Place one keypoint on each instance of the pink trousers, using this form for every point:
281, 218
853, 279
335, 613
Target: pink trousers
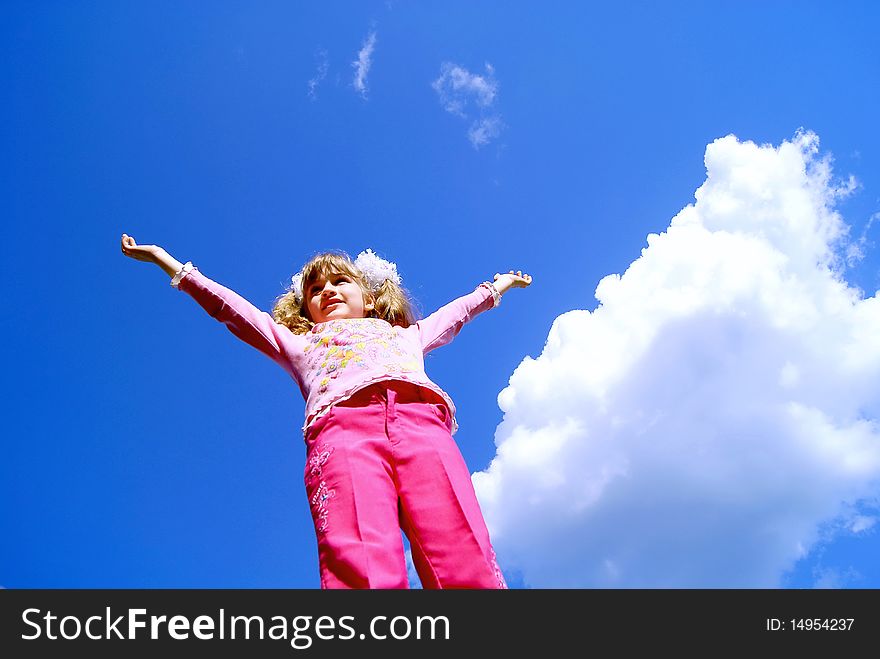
382, 461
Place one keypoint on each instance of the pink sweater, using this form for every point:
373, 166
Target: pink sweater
339, 357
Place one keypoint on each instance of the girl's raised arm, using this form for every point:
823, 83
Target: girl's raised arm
443, 325
150, 254
505, 282
253, 326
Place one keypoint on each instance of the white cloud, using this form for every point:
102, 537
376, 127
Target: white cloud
716, 411
832, 578
471, 97
323, 66
363, 63
855, 252
484, 130
458, 88
861, 523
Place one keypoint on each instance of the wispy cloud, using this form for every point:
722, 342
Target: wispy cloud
717, 417
363, 63
862, 523
856, 250
323, 66
458, 88
472, 97
833, 578
484, 130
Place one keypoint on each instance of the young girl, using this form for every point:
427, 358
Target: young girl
378, 432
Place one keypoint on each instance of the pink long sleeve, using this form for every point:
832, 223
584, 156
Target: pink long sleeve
247, 322
443, 325
337, 358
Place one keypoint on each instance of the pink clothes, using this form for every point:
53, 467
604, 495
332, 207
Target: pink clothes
378, 432
337, 358
385, 459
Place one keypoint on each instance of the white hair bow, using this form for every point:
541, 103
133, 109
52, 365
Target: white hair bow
376, 271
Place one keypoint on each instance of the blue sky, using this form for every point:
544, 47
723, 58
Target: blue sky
146, 447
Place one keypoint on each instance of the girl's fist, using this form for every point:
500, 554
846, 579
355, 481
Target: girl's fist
139, 252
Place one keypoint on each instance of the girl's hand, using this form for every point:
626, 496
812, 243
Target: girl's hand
511, 280
148, 253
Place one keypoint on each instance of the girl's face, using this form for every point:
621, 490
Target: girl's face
335, 298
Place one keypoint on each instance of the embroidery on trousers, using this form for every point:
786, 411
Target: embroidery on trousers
322, 494
319, 506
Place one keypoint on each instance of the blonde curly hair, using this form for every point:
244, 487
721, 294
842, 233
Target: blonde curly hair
391, 301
